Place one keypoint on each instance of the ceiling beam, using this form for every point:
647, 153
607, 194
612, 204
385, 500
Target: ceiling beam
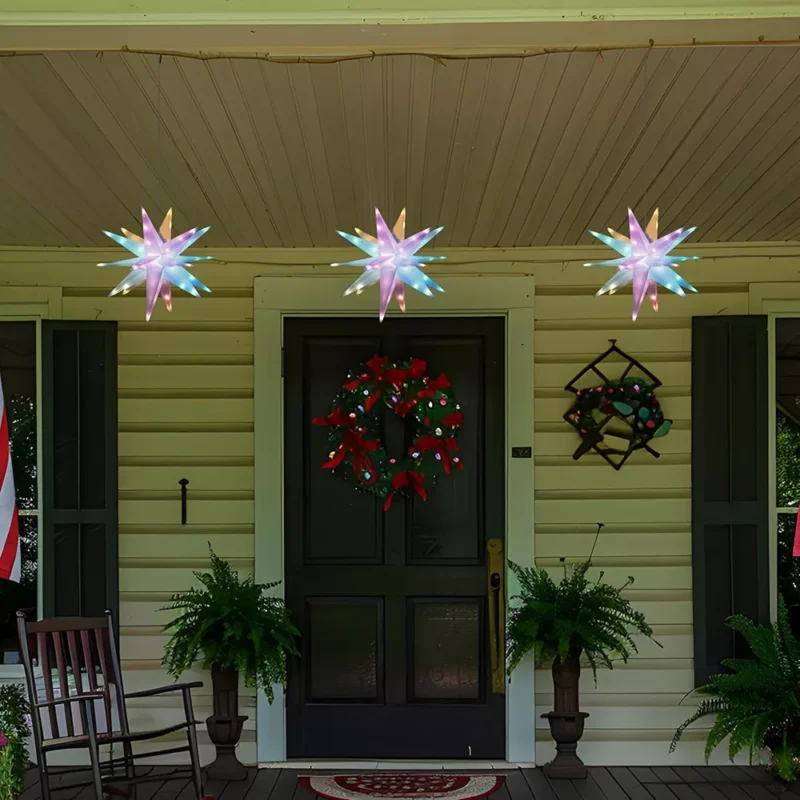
445, 27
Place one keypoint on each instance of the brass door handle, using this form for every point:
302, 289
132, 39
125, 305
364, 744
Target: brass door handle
496, 594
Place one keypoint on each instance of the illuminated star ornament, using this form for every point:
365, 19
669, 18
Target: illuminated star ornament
392, 261
646, 261
158, 262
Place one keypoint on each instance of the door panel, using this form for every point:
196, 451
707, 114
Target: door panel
392, 606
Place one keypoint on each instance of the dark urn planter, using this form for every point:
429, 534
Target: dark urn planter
225, 726
566, 719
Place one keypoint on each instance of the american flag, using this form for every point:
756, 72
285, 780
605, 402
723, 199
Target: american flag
10, 557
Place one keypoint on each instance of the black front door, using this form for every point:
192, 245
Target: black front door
392, 606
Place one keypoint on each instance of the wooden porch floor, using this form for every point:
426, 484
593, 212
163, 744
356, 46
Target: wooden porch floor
604, 783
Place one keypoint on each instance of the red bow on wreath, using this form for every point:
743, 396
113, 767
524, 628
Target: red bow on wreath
396, 376
434, 386
440, 447
406, 480
353, 442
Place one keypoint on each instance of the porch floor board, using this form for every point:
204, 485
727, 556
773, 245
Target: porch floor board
603, 783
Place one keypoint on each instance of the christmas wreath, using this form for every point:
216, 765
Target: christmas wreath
354, 424
631, 399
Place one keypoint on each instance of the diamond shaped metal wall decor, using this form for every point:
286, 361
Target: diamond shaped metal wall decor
616, 416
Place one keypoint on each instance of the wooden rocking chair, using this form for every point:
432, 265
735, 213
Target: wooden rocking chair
78, 702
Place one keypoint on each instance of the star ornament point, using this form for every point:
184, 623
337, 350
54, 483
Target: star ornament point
392, 261
645, 261
158, 261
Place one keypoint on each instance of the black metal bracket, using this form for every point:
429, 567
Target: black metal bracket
184, 482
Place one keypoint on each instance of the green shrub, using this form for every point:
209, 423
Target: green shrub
14, 731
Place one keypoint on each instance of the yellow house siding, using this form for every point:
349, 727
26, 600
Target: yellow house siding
186, 411
646, 508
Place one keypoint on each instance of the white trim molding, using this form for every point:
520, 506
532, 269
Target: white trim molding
479, 295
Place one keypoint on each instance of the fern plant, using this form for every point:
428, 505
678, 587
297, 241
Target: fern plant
231, 624
575, 615
757, 702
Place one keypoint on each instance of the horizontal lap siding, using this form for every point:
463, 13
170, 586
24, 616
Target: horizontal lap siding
646, 508
186, 411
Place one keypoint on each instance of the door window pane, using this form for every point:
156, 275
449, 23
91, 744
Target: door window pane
447, 650
18, 375
345, 649
789, 568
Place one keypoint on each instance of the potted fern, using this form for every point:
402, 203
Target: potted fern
564, 623
757, 701
232, 627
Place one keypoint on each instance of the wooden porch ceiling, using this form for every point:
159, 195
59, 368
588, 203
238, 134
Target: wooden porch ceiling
604, 783
501, 151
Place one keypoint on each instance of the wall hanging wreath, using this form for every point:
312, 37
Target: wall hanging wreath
616, 417
354, 424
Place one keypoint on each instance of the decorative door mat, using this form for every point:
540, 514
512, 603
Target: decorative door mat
402, 785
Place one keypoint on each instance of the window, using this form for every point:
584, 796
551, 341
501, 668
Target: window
787, 459
18, 373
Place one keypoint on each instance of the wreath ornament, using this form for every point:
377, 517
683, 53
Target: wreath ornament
626, 409
354, 426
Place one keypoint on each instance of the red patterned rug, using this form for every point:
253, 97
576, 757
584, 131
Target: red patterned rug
402, 785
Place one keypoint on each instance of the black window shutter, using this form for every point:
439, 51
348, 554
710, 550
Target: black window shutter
79, 470
730, 484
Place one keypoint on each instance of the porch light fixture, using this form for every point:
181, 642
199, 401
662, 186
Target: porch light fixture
646, 261
158, 262
392, 261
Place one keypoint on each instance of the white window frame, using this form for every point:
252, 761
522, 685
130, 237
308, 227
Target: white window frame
773, 453
776, 300
22, 304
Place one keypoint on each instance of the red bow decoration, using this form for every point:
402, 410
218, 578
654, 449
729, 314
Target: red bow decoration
404, 480
395, 377
401, 409
352, 442
336, 419
441, 446
440, 383
376, 366
456, 419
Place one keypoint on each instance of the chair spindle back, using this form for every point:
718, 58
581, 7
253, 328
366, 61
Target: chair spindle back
67, 657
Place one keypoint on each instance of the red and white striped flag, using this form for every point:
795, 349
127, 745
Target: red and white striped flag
10, 556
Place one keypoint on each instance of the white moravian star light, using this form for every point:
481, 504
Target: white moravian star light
392, 261
646, 261
159, 262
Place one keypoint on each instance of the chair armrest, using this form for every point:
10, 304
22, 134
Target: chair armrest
174, 687
74, 698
